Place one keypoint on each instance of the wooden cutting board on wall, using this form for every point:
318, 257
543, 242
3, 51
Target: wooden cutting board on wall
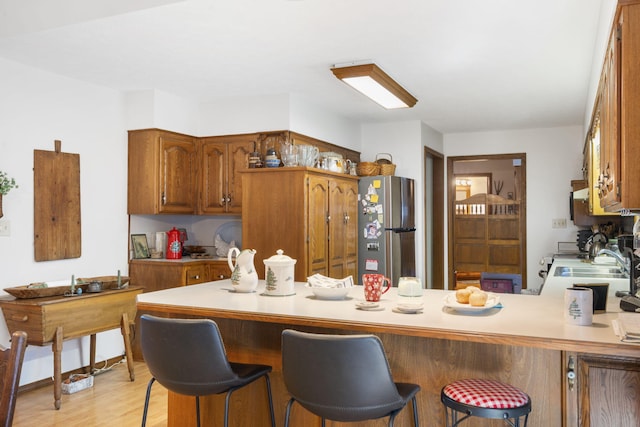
56, 203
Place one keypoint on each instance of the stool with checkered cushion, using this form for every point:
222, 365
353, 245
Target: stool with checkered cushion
485, 399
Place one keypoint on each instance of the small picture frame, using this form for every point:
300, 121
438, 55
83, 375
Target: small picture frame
140, 246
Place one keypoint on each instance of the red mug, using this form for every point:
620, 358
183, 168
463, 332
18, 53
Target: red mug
374, 286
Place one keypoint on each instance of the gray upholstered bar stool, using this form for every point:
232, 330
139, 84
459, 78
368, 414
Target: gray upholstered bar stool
485, 399
187, 356
342, 378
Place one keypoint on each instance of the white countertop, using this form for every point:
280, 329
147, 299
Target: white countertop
535, 320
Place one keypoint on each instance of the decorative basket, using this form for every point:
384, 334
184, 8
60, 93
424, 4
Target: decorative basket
25, 292
367, 169
386, 164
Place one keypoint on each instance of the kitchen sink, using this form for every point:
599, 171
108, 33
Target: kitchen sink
596, 272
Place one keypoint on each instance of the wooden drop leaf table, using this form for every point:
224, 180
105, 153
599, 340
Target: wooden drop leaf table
51, 320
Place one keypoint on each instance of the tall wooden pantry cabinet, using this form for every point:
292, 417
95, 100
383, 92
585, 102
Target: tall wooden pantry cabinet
309, 213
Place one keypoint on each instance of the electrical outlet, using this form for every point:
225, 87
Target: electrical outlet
5, 228
559, 223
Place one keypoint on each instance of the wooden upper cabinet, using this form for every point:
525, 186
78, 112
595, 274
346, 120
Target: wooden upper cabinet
161, 173
619, 92
223, 158
212, 178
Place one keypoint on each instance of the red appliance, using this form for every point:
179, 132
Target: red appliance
174, 244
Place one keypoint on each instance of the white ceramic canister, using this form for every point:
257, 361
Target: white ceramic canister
279, 274
578, 306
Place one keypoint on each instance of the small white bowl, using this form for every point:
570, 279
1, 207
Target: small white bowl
322, 292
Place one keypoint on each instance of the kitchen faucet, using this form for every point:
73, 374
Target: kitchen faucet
627, 268
622, 260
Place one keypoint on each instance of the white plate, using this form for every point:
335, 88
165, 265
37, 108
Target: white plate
403, 310
369, 306
450, 302
230, 231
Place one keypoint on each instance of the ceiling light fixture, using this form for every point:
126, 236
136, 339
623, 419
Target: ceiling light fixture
371, 81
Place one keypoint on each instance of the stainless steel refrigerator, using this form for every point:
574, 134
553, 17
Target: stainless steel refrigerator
386, 222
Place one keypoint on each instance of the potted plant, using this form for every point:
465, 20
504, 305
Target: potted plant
6, 184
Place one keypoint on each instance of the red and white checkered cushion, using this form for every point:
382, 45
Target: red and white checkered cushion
486, 394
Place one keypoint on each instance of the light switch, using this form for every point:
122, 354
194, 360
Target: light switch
5, 227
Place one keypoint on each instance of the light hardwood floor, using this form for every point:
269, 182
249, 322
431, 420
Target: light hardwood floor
113, 400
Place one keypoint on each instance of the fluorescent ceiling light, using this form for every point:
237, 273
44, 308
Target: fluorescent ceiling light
374, 83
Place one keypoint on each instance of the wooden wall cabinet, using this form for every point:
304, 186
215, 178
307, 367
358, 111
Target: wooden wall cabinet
619, 115
161, 172
601, 391
221, 160
308, 213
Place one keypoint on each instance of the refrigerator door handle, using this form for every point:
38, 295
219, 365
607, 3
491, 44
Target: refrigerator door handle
400, 230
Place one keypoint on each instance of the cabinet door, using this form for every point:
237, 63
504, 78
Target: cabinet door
212, 181
351, 230
610, 125
237, 160
337, 223
178, 171
318, 205
600, 390
343, 228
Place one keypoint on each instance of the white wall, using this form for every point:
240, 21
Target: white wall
35, 109
554, 158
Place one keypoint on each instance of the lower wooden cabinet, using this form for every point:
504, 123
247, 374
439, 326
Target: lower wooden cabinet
601, 391
154, 275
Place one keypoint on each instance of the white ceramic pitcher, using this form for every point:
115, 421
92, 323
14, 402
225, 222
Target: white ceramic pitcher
244, 277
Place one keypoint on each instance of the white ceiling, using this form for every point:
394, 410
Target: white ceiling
472, 64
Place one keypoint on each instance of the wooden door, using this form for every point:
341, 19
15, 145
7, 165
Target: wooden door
178, 172
212, 177
317, 217
237, 160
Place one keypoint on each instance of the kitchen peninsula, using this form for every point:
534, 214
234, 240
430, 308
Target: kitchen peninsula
525, 343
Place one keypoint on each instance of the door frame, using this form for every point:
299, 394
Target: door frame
451, 193
434, 218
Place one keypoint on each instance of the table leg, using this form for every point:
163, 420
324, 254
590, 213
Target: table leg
125, 328
57, 367
92, 353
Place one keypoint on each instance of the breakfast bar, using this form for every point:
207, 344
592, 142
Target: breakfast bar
523, 341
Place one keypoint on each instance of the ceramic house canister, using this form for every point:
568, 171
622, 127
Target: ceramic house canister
279, 273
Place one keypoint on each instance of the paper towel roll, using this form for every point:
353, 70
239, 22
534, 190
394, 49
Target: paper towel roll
161, 241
